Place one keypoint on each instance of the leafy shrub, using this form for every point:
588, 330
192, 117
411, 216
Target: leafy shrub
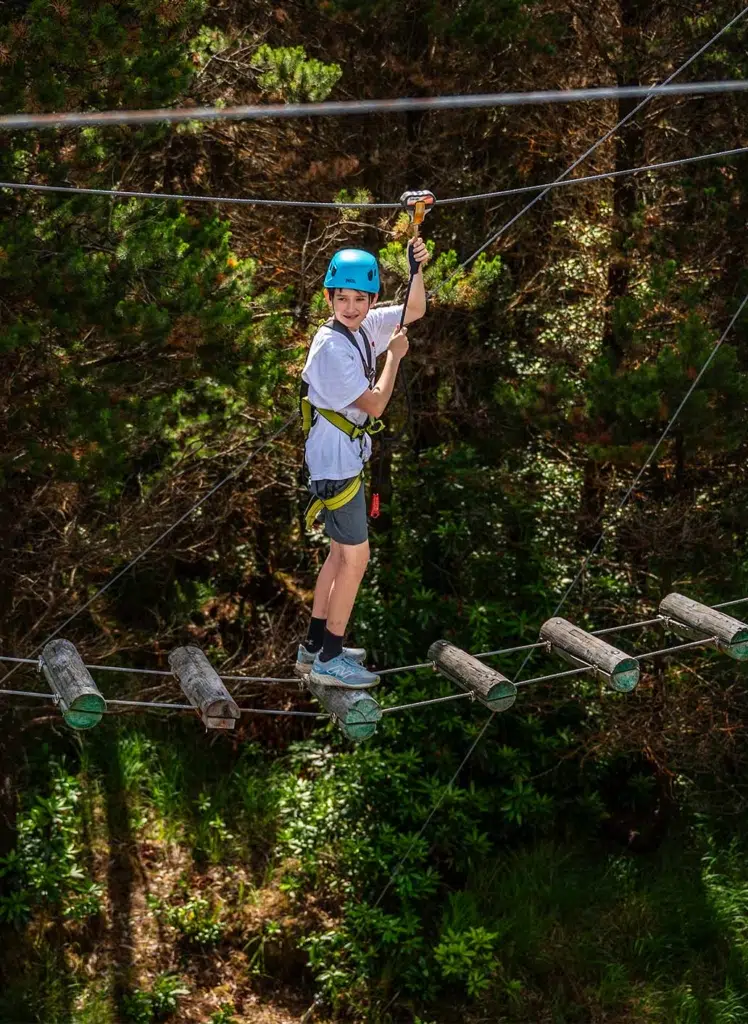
468, 956
287, 72
223, 1015
44, 869
161, 1002
197, 922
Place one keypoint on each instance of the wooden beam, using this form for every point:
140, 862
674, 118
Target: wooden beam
489, 686
203, 687
70, 681
355, 711
619, 670
696, 621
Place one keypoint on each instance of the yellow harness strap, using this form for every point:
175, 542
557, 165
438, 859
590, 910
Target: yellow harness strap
348, 493
338, 420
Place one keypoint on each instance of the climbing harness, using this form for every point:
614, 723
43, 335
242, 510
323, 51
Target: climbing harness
354, 431
416, 204
348, 493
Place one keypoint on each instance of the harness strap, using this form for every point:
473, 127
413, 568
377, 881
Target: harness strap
366, 357
353, 430
348, 493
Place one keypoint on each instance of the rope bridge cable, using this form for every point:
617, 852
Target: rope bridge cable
579, 575
309, 204
730, 604
338, 108
230, 476
648, 461
157, 705
531, 647
658, 620
168, 706
572, 167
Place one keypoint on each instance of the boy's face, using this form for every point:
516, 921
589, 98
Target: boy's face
350, 307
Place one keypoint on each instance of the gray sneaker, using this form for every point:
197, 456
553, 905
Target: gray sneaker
344, 672
305, 660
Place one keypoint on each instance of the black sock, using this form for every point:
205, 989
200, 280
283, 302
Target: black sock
316, 635
332, 646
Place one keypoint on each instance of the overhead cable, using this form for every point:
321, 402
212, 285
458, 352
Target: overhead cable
114, 193
588, 152
338, 108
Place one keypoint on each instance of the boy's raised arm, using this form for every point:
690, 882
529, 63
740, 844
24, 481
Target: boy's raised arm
417, 299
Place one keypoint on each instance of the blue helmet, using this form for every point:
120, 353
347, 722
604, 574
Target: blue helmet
353, 268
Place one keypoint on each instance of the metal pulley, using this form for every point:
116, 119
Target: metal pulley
417, 204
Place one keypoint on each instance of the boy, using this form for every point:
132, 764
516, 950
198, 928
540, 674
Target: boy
344, 396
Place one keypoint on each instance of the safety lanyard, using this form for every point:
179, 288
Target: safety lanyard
367, 360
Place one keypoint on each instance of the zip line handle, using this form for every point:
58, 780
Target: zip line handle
416, 204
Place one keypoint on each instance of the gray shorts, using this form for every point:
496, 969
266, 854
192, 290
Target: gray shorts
347, 525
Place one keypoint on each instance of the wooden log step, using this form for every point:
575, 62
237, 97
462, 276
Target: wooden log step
203, 687
70, 681
579, 648
696, 621
489, 686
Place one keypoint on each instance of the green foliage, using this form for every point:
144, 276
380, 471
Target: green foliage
144, 344
224, 1015
45, 869
468, 957
196, 920
287, 72
219, 808
159, 1003
258, 945
93, 54
480, 284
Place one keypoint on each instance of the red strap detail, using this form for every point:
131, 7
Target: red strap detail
374, 510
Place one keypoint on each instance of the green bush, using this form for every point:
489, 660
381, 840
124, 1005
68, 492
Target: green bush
45, 870
288, 72
197, 921
469, 957
161, 1001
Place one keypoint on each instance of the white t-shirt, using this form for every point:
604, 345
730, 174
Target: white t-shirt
335, 374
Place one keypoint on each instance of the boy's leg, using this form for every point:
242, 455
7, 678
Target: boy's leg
353, 561
336, 590
322, 590
326, 581
334, 665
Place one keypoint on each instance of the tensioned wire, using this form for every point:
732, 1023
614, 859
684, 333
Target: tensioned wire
659, 620
623, 501
164, 705
114, 193
447, 789
572, 167
334, 108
